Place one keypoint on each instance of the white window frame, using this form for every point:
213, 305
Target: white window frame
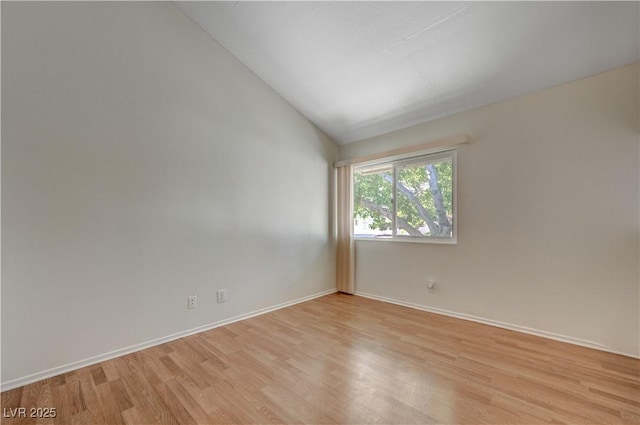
400, 160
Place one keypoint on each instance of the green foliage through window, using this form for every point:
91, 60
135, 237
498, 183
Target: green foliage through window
423, 191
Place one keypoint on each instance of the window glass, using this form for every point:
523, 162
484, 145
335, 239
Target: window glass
409, 199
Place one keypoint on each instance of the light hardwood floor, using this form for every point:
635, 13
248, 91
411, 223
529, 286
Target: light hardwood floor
346, 359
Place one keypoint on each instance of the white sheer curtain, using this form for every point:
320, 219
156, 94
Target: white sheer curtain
345, 255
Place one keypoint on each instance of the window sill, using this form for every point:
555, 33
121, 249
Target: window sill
437, 241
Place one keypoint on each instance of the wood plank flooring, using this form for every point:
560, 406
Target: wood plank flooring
348, 360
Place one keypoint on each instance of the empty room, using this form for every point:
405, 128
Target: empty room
320, 212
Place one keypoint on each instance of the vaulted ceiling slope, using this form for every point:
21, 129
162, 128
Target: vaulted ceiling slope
360, 69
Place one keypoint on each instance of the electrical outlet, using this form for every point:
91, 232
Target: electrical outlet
222, 295
431, 286
192, 302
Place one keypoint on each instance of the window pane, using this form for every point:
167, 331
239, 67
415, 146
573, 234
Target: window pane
372, 206
424, 206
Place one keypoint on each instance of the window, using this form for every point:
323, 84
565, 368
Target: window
411, 199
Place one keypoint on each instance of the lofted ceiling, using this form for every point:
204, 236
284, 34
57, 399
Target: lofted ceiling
360, 69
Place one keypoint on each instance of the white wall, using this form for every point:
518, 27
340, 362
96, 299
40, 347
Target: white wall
548, 216
142, 163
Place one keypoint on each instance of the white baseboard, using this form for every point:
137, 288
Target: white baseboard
518, 328
15, 383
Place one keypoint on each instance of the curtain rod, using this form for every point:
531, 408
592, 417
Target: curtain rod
433, 144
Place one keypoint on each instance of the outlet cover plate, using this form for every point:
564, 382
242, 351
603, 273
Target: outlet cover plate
221, 296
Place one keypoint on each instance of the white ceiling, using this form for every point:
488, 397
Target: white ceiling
360, 69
